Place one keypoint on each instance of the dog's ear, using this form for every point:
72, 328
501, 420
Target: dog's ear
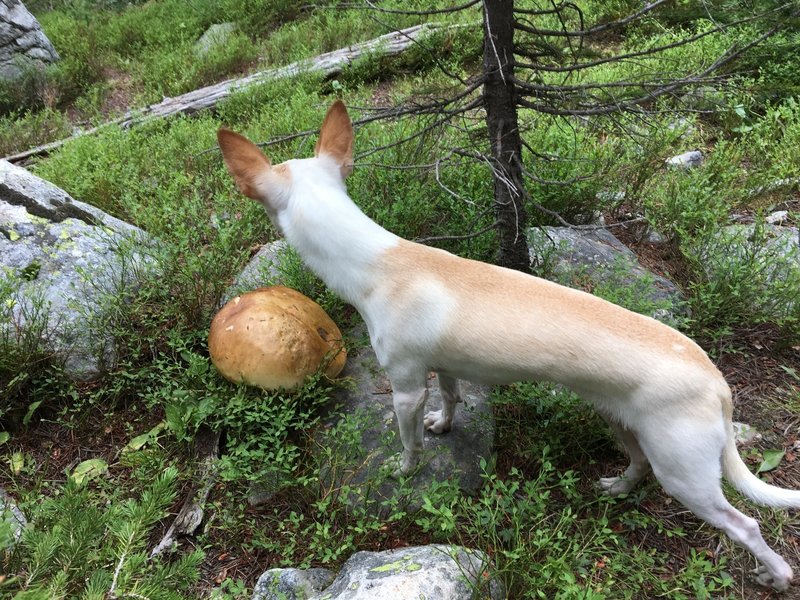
245, 161
336, 137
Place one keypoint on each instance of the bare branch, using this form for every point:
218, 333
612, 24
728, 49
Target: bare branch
635, 103
582, 33
443, 238
432, 55
649, 52
432, 11
540, 90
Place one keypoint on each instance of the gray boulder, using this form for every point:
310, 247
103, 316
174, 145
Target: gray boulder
23, 44
264, 269
687, 160
776, 248
63, 266
434, 572
291, 584
576, 255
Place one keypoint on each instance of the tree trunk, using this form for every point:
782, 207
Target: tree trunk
501, 119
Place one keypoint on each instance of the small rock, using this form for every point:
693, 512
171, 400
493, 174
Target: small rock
291, 584
683, 126
216, 35
654, 237
687, 160
778, 217
745, 433
435, 572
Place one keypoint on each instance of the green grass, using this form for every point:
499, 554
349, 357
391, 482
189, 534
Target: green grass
538, 516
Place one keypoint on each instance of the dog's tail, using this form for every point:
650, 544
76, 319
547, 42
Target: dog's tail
737, 473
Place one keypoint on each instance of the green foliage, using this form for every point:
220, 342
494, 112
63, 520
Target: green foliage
92, 543
739, 276
548, 533
27, 370
553, 536
746, 276
263, 429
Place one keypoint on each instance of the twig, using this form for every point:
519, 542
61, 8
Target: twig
112, 591
432, 11
582, 33
641, 53
443, 238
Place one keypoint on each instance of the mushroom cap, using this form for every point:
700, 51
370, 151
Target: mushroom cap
274, 337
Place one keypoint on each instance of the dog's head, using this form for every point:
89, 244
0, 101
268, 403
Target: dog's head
258, 178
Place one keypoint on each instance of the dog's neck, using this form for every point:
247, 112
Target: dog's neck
331, 234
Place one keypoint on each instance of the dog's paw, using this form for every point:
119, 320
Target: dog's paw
780, 583
615, 486
435, 423
399, 466
393, 466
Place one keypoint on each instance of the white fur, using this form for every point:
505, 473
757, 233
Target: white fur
427, 310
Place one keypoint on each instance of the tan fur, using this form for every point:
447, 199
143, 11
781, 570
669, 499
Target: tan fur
531, 302
245, 162
336, 137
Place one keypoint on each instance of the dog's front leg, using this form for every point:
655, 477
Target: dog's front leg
441, 421
409, 404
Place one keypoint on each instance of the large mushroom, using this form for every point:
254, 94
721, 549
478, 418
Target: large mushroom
274, 337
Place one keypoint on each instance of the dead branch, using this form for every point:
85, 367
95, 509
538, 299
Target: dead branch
191, 514
635, 103
583, 33
329, 63
432, 11
520, 50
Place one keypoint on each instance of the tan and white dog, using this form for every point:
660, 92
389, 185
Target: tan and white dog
428, 310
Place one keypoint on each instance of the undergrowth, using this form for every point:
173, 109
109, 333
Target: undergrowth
546, 530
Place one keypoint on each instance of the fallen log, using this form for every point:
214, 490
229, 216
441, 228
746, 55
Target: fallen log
329, 63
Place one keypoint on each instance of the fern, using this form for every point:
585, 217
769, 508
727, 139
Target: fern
86, 545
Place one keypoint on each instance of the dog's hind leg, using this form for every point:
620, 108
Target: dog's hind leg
441, 421
688, 466
637, 469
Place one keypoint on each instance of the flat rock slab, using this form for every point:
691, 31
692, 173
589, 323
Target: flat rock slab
64, 264
453, 456
596, 254
435, 572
